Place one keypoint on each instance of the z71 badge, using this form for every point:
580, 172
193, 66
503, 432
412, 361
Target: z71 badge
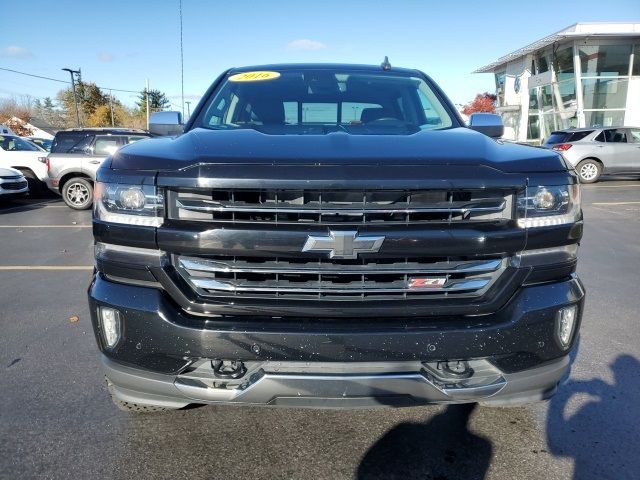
427, 282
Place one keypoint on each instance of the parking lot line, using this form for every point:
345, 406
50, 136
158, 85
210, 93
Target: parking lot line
45, 226
46, 267
615, 203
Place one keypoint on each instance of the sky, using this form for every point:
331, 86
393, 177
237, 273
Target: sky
119, 44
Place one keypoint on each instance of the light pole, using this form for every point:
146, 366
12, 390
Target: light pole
188, 108
73, 87
181, 61
111, 107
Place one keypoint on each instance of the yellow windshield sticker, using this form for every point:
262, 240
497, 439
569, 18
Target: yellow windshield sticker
253, 76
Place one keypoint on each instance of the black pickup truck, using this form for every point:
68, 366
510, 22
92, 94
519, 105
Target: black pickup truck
334, 236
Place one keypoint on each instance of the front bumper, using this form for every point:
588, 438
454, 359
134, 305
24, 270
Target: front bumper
395, 384
164, 355
52, 184
8, 195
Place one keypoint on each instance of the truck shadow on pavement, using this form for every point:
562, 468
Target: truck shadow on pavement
441, 449
601, 436
32, 202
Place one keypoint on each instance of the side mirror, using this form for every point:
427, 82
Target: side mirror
488, 123
166, 123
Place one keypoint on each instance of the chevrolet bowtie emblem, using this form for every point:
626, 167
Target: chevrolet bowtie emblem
343, 244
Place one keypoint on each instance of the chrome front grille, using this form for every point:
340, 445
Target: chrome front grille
329, 279
344, 207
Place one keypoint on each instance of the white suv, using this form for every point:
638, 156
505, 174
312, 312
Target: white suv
18, 153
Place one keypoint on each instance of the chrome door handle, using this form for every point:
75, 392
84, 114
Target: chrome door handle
94, 161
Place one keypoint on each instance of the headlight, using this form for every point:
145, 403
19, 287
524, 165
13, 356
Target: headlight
130, 204
546, 206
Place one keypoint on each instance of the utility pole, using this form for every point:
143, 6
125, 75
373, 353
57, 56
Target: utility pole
146, 89
181, 61
188, 108
73, 87
111, 107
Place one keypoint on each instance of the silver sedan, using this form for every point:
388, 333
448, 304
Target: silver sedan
594, 151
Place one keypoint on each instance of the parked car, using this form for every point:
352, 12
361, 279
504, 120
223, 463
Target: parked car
12, 184
334, 236
75, 156
596, 151
43, 143
18, 153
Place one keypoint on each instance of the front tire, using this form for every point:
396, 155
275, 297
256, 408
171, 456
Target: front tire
589, 170
77, 193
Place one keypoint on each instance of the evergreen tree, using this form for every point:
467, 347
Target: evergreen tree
158, 101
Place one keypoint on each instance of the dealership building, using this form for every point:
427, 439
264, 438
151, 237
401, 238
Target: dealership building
585, 75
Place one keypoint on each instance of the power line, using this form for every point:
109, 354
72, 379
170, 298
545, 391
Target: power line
64, 81
32, 75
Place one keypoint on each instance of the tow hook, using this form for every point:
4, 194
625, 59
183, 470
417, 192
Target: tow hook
229, 369
459, 369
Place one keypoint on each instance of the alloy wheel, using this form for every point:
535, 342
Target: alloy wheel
588, 171
77, 194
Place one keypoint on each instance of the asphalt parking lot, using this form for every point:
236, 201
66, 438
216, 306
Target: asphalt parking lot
56, 420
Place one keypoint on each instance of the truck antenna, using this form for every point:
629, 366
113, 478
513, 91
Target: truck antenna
386, 65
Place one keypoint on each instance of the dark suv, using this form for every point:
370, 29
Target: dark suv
76, 155
334, 235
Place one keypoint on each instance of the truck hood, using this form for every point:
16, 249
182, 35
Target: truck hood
454, 147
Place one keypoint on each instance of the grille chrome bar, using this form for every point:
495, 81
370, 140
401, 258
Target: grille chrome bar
488, 206
329, 288
315, 267
328, 207
367, 279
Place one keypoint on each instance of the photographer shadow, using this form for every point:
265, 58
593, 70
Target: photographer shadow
441, 448
601, 435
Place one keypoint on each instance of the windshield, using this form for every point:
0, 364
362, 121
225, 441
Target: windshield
323, 101
17, 144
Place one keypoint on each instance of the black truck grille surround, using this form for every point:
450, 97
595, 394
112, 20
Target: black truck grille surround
330, 279
331, 207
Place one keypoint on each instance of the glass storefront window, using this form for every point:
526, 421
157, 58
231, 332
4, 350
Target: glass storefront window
604, 60
511, 121
604, 118
566, 120
500, 79
543, 64
567, 91
548, 125
563, 64
533, 127
636, 60
546, 97
533, 99
604, 93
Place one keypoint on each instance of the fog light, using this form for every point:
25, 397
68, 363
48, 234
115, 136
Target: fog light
565, 323
110, 325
